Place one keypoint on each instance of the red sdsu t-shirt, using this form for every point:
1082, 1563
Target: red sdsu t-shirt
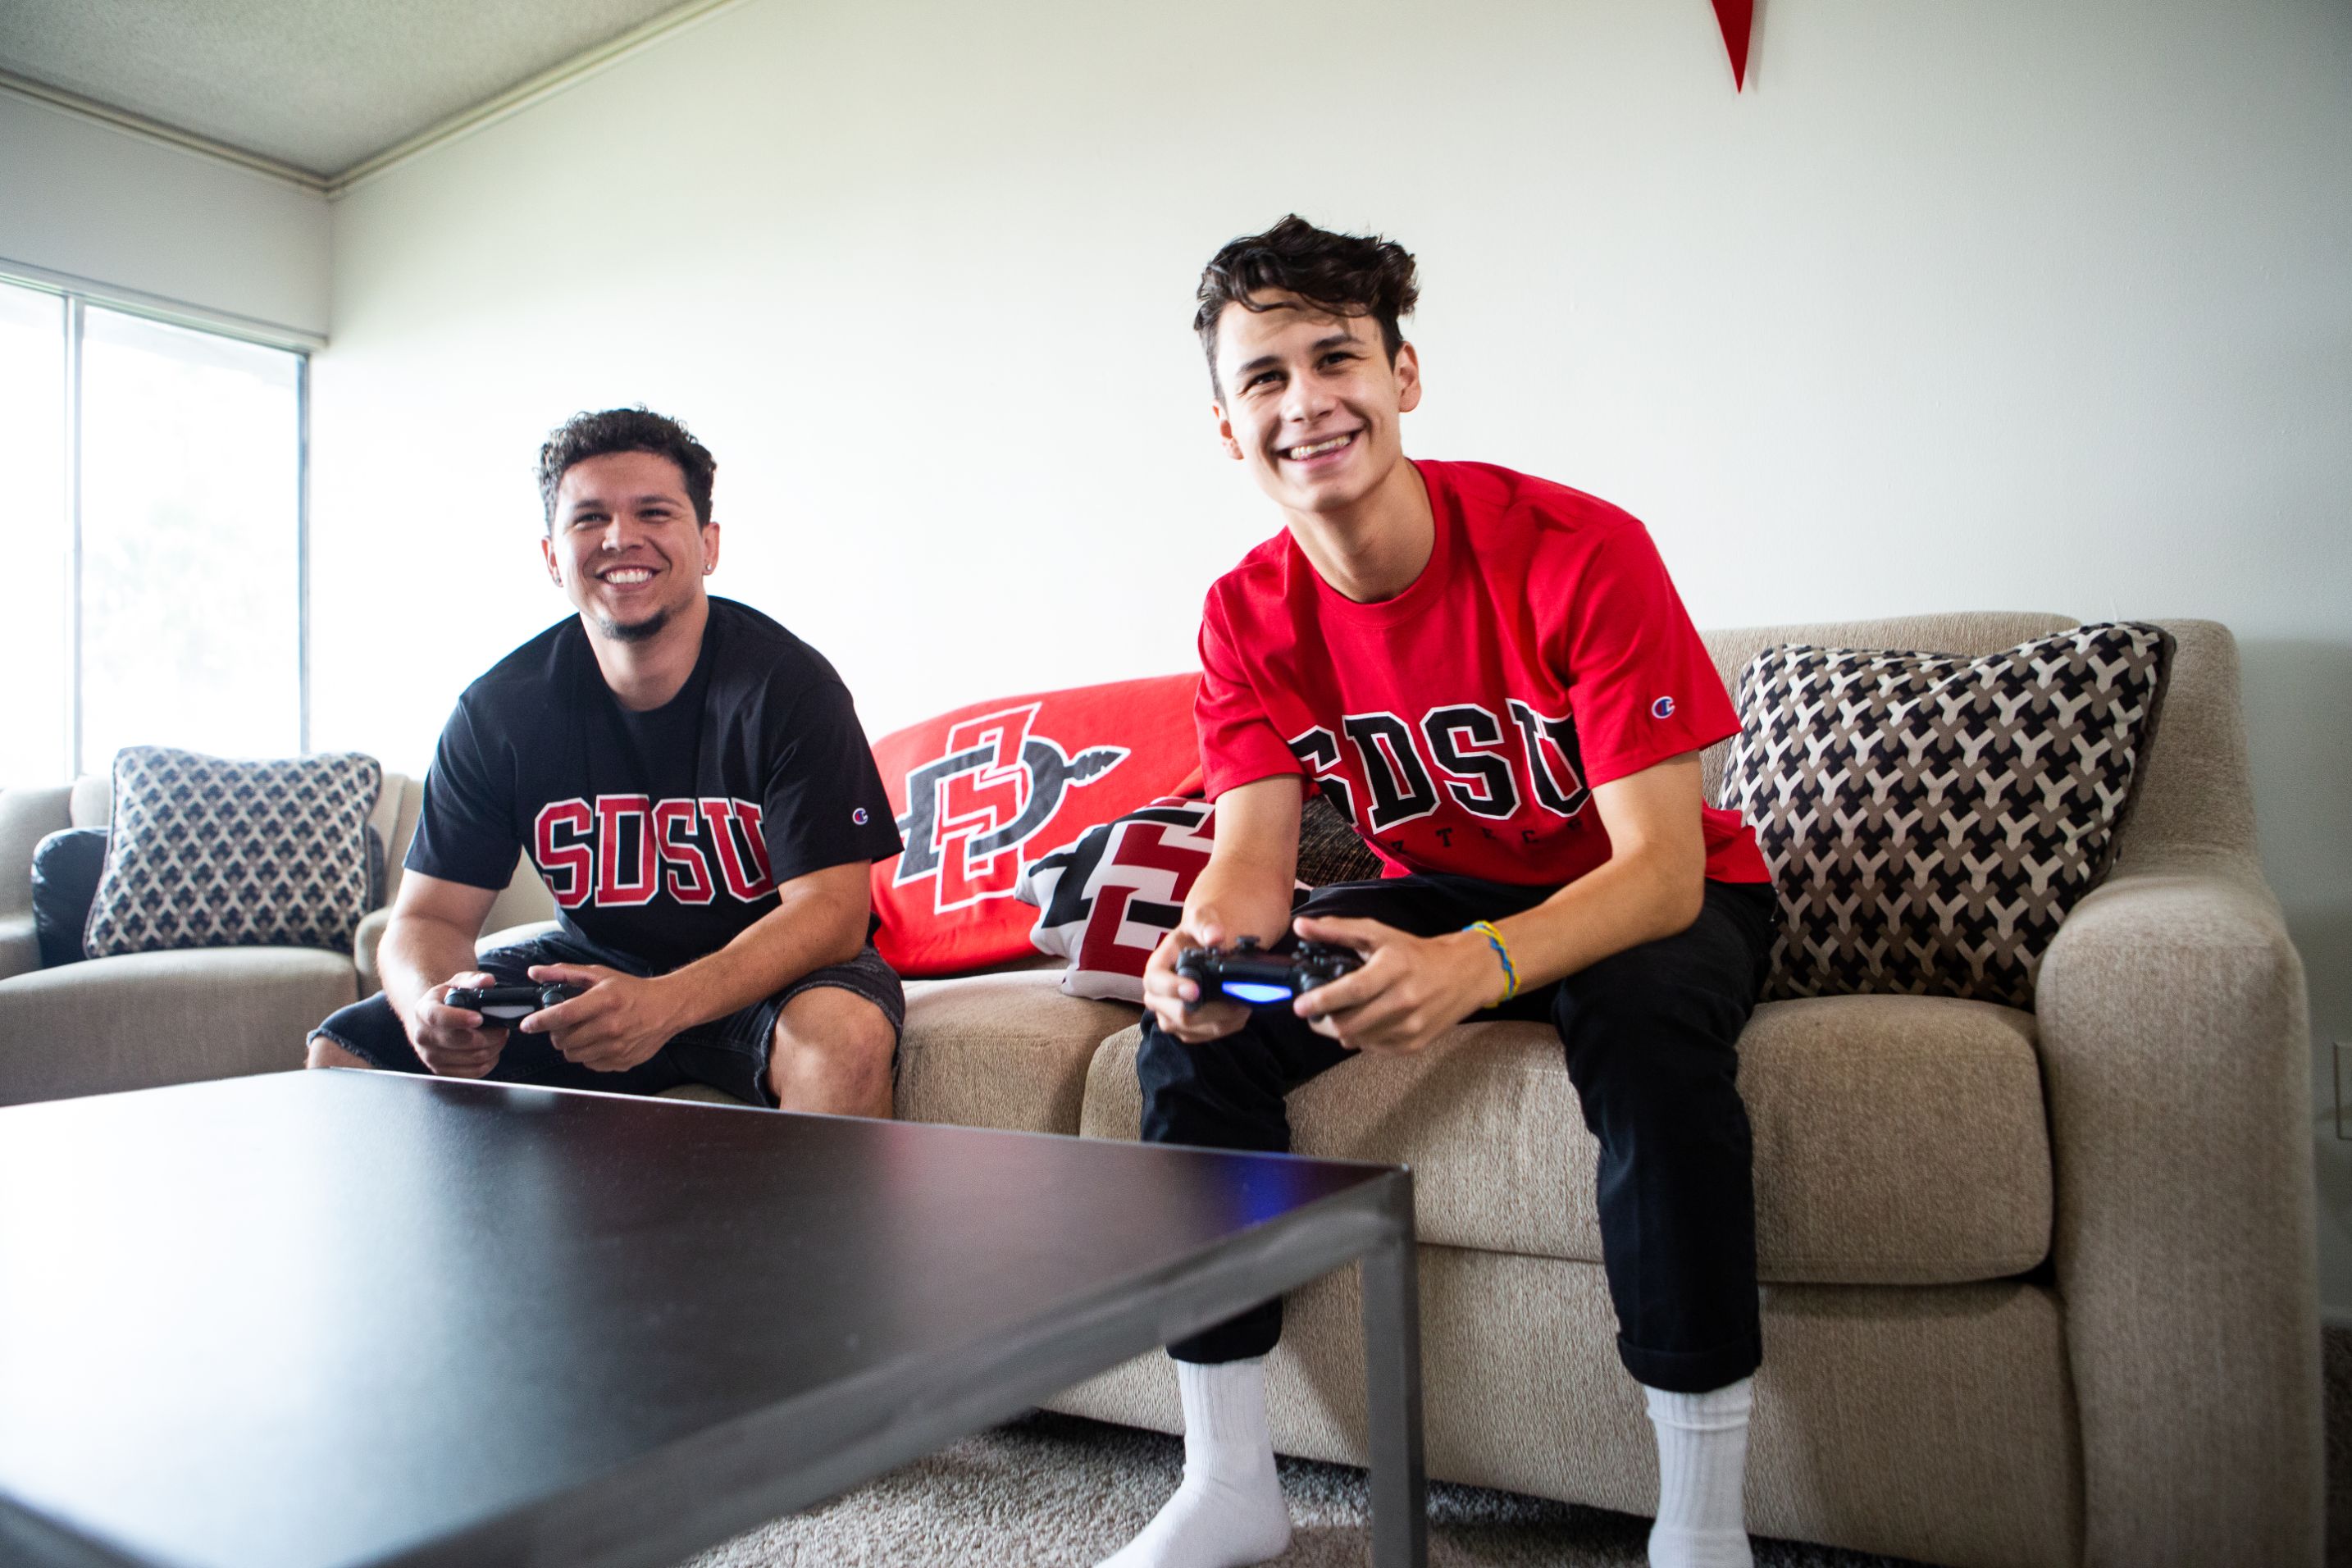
1462, 724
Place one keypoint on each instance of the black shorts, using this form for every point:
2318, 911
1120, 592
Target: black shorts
730, 1054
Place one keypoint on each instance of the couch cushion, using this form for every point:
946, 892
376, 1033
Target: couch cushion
148, 1018
1899, 1141
1003, 1050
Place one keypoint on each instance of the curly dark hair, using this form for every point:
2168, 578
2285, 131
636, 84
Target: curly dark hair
1345, 274
638, 429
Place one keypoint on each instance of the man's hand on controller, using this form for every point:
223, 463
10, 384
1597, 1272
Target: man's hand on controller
1175, 1000
451, 1041
1410, 989
617, 1023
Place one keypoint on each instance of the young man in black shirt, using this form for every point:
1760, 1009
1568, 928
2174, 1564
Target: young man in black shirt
692, 783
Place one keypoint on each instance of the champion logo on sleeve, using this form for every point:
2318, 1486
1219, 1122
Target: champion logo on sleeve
1663, 708
859, 816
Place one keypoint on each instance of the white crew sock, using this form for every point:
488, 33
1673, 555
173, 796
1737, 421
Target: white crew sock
1229, 1511
1702, 1470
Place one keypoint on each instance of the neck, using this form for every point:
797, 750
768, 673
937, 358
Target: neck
646, 675
1375, 548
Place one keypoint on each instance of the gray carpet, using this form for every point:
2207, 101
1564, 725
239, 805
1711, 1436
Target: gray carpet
1055, 1490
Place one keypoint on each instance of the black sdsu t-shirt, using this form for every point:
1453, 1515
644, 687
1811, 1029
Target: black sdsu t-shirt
660, 834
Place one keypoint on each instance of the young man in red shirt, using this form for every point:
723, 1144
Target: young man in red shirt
1493, 676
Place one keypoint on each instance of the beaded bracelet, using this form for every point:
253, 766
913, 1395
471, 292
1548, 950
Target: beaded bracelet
1503, 953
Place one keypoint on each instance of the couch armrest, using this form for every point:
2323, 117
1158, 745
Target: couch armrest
20, 946
364, 943
2177, 1052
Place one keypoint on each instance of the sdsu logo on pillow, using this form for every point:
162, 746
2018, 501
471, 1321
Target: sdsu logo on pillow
1105, 901
981, 792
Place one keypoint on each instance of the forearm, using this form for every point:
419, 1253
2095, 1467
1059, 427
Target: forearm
419, 953
1241, 896
797, 936
1621, 904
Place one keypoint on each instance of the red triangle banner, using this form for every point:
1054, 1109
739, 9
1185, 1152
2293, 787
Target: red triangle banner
1736, 17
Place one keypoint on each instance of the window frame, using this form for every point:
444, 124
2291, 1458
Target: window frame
78, 299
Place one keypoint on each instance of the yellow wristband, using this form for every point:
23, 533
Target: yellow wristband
1502, 955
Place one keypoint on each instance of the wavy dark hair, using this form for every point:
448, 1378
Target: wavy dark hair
1344, 274
638, 429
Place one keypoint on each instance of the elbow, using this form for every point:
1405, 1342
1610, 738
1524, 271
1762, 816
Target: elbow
1681, 898
846, 935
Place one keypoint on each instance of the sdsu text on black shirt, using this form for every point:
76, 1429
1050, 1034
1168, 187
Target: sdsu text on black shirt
661, 833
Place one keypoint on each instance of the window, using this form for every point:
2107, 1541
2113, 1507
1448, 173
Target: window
34, 668
161, 532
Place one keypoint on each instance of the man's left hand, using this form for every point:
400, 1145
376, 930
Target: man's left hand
617, 1022
1410, 989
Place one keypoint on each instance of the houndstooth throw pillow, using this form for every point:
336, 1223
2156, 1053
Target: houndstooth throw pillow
1931, 819
207, 852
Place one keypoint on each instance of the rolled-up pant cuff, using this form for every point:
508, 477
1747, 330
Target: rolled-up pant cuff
1242, 1337
1691, 1371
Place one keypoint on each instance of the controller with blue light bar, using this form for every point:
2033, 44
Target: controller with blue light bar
1247, 973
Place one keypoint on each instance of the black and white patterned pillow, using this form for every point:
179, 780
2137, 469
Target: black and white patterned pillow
1330, 848
209, 852
1929, 819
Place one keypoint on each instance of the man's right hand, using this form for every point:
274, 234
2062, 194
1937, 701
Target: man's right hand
453, 1041
1175, 1000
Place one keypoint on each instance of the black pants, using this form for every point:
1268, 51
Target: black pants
1650, 1036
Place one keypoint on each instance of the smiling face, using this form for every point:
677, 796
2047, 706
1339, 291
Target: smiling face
1312, 402
625, 545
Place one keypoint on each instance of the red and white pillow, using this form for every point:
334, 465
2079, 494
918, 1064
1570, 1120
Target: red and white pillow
1105, 901
980, 792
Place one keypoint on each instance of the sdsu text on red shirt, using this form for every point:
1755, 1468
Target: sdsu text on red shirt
1462, 725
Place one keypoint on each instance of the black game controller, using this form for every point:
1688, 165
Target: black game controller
508, 1001
1248, 972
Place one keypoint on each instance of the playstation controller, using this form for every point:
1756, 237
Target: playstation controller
1248, 973
508, 1001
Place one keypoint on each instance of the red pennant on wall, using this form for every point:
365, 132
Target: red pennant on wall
1736, 16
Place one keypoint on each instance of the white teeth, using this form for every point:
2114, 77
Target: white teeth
629, 574
1300, 454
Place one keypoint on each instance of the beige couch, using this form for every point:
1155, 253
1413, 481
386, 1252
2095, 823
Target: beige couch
151, 1018
2039, 1285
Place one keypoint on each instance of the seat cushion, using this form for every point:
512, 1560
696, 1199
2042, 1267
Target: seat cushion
1006, 1050
142, 1020
1899, 1141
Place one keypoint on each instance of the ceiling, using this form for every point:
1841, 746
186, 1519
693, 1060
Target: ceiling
320, 85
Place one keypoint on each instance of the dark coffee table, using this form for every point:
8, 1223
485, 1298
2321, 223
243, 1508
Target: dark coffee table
343, 1318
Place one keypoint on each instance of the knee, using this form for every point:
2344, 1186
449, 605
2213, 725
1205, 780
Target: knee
1167, 1067
1159, 1055
1649, 1052
323, 1052
1226, 1093
830, 1035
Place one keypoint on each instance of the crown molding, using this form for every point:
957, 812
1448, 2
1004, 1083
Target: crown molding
156, 131
531, 91
512, 101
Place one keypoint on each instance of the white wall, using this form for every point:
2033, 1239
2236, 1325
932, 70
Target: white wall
1992, 305
100, 205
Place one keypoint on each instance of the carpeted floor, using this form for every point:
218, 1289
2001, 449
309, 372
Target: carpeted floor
1053, 1491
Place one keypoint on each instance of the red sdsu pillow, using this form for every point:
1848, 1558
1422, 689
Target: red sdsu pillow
981, 791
